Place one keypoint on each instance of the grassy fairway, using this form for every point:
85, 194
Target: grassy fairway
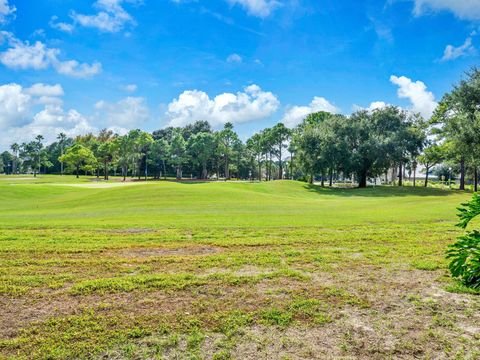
278, 270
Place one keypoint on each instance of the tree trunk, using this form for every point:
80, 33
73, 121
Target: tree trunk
311, 179
362, 179
146, 167
291, 166
400, 175
414, 176
280, 165
179, 173
105, 170
426, 175
475, 179
227, 172
204, 171
331, 178
462, 174
259, 169
77, 170
164, 170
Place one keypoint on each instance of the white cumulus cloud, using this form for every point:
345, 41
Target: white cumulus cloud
373, 106
250, 105
37, 56
111, 16
21, 120
15, 105
259, 8
422, 100
46, 94
463, 9
295, 114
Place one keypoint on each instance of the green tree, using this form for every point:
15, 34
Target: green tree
201, 147
79, 157
227, 138
15, 150
280, 135
377, 139
144, 143
62, 139
159, 154
6, 159
33, 155
308, 143
432, 155
255, 145
123, 146
458, 117
178, 153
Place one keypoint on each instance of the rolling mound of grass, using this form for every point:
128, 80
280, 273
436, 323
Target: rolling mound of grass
171, 204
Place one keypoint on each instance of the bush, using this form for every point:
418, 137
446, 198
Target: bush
465, 253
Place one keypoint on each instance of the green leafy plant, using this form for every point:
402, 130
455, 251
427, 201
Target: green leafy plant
465, 253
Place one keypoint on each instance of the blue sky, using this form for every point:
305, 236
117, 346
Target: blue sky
79, 66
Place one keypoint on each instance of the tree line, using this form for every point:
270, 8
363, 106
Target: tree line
384, 144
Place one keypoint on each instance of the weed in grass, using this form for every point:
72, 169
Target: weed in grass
276, 317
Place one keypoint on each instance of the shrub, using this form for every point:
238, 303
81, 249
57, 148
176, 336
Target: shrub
465, 253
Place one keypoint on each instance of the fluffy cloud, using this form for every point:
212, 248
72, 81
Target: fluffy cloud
74, 69
62, 26
422, 100
451, 52
53, 119
463, 9
46, 94
5, 10
129, 88
15, 105
19, 120
23, 55
111, 16
234, 58
250, 105
373, 106
260, 8
41, 89
295, 114
129, 112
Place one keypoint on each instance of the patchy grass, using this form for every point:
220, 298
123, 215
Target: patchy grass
229, 271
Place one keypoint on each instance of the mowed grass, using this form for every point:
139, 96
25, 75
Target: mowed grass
281, 270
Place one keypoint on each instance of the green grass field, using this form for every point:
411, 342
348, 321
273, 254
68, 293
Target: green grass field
278, 270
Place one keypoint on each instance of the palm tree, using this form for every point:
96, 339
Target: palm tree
39, 147
15, 148
61, 141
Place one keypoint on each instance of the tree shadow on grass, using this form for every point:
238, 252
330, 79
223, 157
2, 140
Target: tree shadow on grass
380, 191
